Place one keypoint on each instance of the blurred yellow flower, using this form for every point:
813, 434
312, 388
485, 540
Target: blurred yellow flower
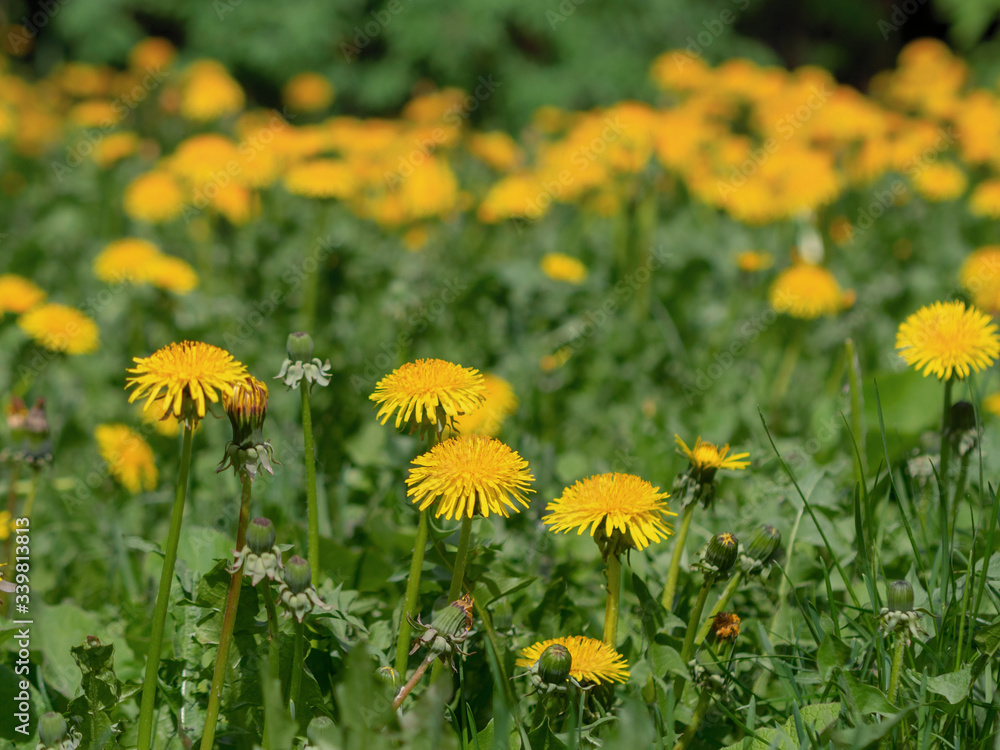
209, 92
126, 259
562, 267
152, 53
499, 403
95, 113
155, 197
321, 178
114, 147
941, 181
985, 199
806, 291
497, 149
59, 328
18, 294
128, 456
171, 274
752, 261
980, 276
308, 92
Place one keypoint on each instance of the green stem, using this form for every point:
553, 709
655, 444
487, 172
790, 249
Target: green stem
720, 604
461, 556
412, 590
697, 717
310, 288
228, 622
310, 459
857, 426
273, 635
611, 606
897, 664
944, 511
412, 682
687, 651
29, 504
147, 706
667, 600
787, 367
297, 661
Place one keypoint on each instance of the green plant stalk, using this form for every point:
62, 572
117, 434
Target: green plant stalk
412, 682
310, 288
412, 590
857, 425
273, 635
611, 604
787, 367
461, 557
228, 622
667, 600
298, 658
11, 511
311, 502
897, 665
29, 504
944, 511
148, 702
687, 650
697, 717
721, 602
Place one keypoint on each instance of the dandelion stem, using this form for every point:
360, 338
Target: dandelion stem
897, 664
29, 504
311, 502
461, 556
297, 661
412, 683
696, 718
720, 604
273, 635
228, 622
857, 426
675, 559
412, 589
944, 512
687, 650
787, 367
611, 606
148, 704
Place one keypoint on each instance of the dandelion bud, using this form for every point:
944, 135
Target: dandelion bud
298, 576
246, 408
388, 675
51, 729
961, 417
900, 596
554, 664
261, 535
721, 552
764, 543
299, 346
726, 626
322, 732
455, 619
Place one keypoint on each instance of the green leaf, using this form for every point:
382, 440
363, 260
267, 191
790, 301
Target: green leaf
542, 738
665, 659
832, 654
819, 716
954, 686
492, 588
280, 725
867, 699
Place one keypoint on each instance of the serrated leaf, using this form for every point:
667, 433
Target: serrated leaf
832, 654
954, 686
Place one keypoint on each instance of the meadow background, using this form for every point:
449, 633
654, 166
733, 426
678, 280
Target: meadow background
599, 203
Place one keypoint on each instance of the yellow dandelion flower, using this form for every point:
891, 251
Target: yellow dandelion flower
159, 416
467, 475
155, 197
60, 328
980, 275
592, 660
152, 53
610, 503
209, 92
18, 294
96, 113
985, 199
752, 261
7, 527
992, 404
941, 181
126, 259
203, 158
707, 458
841, 230
562, 267
499, 403
322, 178
187, 371
496, 149
114, 147
946, 339
308, 92
428, 393
171, 274
806, 291
128, 456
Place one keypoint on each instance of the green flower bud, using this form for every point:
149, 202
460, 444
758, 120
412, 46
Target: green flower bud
554, 664
299, 346
722, 551
961, 417
51, 729
261, 535
764, 543
388, 675
322, 732
297, 576
900, 596
455, 619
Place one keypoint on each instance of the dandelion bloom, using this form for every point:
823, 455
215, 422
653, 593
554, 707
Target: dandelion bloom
114, 147
946, 339
985, 199
161, 419
151, 53
806, 291
610, 503
60, 328
209, 92
308, 92
172, 274
18, 294
469, 474
428, 392
562, 267
980, 275
126, 259
189, 370
322, 178
497, 149
128, 455
499, 403
992, 404
155, 197
940, 182
592, 660
707, 458
726, 626
752, 261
